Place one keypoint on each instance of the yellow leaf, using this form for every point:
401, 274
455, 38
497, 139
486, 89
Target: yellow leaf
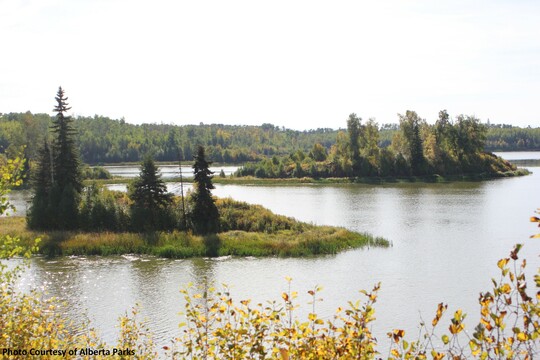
445, 339
502, 263
456, 328
436, 355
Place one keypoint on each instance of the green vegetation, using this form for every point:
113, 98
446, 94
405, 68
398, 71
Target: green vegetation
448, 148
58, 179
248, 230
150, 202
95, 173
512, 138
204, 214
101, 140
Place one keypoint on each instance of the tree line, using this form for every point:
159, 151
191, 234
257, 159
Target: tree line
61, 202
448, 147
103, 140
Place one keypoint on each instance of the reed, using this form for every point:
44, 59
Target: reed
286, 238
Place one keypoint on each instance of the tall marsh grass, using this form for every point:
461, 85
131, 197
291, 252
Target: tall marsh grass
284, 237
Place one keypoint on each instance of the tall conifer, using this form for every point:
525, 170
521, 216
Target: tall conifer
204, 214
66, 158
56, 203
39, 215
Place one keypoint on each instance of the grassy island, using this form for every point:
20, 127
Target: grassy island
248, 230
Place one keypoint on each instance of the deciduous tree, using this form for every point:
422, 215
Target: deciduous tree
410, 127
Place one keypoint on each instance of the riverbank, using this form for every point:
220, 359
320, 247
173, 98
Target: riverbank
311, 240
250, 180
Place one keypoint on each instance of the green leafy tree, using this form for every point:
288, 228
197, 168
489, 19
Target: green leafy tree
471, 137
371, 135
410, 126
318, 152
204, 213
151, 208
354, 129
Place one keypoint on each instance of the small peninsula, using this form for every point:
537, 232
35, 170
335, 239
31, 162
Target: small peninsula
248, 230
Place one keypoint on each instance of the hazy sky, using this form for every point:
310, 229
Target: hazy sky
299, 64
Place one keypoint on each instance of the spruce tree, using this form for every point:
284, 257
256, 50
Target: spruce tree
151, 201
66, 158
204, 214
58, 181
39, 215
67, 186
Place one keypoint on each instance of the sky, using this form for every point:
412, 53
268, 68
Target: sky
299, 64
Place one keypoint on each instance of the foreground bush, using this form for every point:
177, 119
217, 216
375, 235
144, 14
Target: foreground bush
219, 328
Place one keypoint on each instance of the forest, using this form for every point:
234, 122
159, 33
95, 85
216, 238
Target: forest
101, 140
447, 148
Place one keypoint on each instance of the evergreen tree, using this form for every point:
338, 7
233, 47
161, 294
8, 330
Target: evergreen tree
67, 185
39, 215
58, 182
67, 166
204, 214
151, 201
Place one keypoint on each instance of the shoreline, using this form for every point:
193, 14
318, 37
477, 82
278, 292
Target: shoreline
309, 242
250, 180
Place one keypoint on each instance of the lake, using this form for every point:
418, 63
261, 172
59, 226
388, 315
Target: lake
167, 171
446, 241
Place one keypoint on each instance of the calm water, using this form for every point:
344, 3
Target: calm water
446, 240
167, 171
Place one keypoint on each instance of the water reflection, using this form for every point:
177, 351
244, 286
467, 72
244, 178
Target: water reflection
202, 271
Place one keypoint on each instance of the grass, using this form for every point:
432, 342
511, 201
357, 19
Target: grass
299, 241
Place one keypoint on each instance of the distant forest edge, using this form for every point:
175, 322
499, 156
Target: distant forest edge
104, 140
